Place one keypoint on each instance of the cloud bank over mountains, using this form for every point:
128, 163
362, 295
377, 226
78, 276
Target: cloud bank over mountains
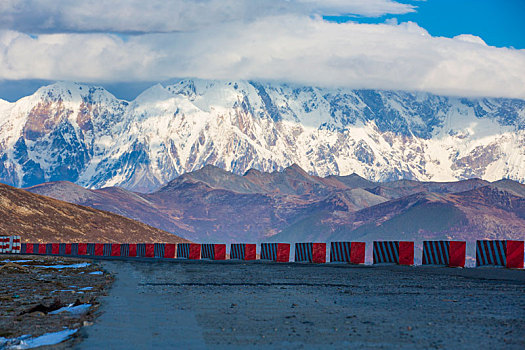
127, 41
139, 16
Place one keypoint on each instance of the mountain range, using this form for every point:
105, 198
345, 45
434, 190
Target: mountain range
214, 205
83, 134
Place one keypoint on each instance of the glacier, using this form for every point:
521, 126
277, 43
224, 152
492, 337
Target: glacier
84, 134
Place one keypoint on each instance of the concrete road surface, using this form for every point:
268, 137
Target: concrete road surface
234, 305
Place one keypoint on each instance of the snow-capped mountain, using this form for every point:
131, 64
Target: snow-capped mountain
83, 134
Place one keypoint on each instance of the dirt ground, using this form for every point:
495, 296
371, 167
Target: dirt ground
32, 287
234, 305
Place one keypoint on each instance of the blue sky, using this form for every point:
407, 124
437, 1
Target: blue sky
498, 22
465, 48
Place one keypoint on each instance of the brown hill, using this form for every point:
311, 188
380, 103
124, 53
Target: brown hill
37, 218
213, 205
484, 212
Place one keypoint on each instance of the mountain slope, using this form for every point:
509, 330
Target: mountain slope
83, 134
38, 218
483, 212
211, 205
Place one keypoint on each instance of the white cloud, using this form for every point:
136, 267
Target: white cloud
469, 38
146, 16
284, 40
284, 48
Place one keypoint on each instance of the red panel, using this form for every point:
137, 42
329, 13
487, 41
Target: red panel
115, 249
457, 252
406, 253
68, 248
82, 249
169, 250
219, 251
515, 254
99, 249
133, 250
357, 252
319, 253
29, 248
195, 251
150, 250
250, 251
55, 248
283, 252
41, 248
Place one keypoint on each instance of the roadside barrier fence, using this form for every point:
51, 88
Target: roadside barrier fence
504, 253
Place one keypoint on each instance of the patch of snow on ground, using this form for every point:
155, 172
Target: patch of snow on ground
63, 290
74, 310
72, 266
26, 342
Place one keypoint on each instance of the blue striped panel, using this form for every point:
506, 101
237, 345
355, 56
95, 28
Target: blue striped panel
386, 252
91, 249
208, 251
436, 253
378, 253
479, 254
269, 251
158, 250
23, 248
62, 249
141, 250
491, 253
392, 256
237, 251
183, 250
49, 248
303, 252
74, 248
106, 249
124, 249
501, 246
340, 251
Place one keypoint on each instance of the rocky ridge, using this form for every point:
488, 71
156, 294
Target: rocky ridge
83, 134
213, 205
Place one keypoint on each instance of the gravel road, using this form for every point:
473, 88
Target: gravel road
230, 305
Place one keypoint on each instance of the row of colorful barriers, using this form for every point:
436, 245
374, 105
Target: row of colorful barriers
10, 244
507, 253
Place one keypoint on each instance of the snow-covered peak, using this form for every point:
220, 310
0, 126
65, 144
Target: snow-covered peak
154, 93
83, 134
73, 93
